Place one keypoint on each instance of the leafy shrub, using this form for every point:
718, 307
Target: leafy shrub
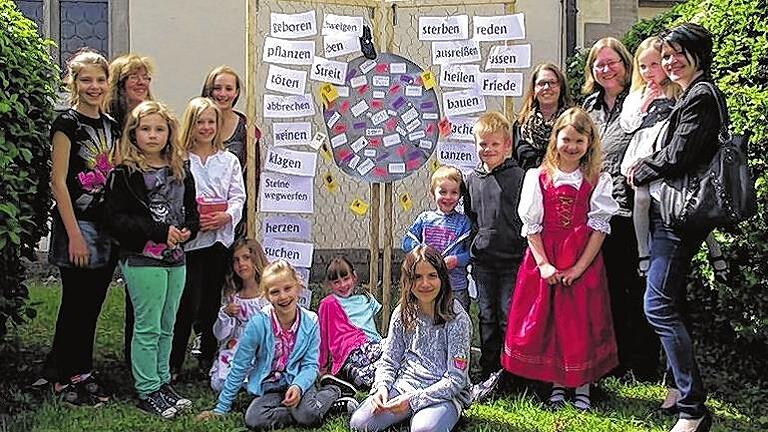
28, 80
730, 321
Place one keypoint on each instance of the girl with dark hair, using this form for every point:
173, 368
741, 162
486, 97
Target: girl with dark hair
423, 370
690, 143
547, 96
242, 299
349, 340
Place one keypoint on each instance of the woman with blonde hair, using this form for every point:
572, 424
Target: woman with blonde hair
223, 86
129, 78
608, 74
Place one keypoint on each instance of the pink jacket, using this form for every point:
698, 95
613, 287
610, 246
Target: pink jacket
338, 336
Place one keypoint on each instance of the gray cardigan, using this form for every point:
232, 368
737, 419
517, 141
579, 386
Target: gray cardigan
430, 363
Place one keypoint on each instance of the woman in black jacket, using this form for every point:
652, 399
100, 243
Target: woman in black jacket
690, 143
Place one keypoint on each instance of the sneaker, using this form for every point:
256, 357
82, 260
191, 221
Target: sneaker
482, 390
346, 388
343, 406
195, 350
174, 398
156, 404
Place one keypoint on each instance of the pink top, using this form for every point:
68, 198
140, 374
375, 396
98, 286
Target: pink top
338, 336
284, 343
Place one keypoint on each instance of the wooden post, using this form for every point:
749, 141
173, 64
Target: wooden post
386, 286
373, 244
251, 8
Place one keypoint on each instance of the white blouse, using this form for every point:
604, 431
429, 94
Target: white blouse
601, 204
220, 177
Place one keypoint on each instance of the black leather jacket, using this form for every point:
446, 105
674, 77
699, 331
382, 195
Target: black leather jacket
691, 138
128, 217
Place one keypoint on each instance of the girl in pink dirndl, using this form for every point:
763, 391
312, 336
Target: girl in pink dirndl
559, 327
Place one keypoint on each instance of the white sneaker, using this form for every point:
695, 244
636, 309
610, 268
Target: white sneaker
693, 425
482, 390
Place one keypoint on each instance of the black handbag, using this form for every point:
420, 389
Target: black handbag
721, 194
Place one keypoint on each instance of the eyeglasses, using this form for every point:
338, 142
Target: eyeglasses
610, 64
134, 78
551, 84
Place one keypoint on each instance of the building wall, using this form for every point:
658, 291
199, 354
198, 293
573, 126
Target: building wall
600, 18
186, 39
649, 12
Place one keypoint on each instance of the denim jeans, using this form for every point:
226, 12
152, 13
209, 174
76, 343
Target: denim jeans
671, 254
494, 289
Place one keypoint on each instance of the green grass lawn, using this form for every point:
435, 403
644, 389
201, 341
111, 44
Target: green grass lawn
625, 405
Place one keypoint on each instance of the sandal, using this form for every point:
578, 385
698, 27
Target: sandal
582, 402
669, 406
720, 268
556, 399
643, 264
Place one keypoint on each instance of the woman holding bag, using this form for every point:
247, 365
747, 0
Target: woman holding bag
689, 144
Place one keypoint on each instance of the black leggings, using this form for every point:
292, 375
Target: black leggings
200, 303
82, 295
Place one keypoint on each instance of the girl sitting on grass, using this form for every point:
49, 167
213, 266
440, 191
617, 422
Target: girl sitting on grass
243, 299
349, 341
423, 370
278, 353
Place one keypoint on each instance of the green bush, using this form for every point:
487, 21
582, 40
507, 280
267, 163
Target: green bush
28, 80
730, 320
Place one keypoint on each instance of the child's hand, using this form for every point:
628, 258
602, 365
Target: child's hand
451, 262
399, 404
568, 276
652, 92
185, 233
292, 396
78, 250
214, 221
207, 415
379, 399
549, 273
175, 236
232, 309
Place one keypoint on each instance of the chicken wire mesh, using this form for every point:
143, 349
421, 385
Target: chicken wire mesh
335, 228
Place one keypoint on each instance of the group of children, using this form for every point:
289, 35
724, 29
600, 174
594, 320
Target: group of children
172, 196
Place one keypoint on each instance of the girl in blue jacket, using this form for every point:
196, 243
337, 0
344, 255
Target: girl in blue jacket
278, 352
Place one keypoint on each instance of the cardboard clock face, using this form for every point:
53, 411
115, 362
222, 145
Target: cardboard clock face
383, 124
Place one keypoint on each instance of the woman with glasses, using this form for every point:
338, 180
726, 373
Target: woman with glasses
545, 99
129, 79
608, 74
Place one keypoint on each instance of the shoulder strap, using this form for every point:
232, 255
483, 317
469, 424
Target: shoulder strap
725, 134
